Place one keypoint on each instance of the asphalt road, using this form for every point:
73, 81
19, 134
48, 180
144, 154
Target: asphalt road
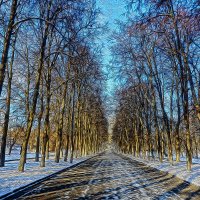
112, 176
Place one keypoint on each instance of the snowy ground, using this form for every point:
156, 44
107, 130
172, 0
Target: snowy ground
113, 176
106, 176
11, 179
15, 154
177, 169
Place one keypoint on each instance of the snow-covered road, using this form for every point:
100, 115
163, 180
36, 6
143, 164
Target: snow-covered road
112, 176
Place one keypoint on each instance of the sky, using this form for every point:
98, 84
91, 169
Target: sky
112, 10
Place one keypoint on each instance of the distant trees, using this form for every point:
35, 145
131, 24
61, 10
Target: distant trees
53, 79
157, 52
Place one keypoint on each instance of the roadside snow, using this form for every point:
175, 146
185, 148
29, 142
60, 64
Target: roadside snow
16, 154
11, 179
177, 169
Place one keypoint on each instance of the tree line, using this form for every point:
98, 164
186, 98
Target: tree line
157, 56
51, 78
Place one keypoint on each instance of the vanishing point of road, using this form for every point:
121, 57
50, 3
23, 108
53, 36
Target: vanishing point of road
113, 176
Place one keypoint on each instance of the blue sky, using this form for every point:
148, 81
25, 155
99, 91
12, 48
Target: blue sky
112, 10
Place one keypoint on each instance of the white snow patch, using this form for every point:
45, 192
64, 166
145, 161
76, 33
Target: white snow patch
15, 154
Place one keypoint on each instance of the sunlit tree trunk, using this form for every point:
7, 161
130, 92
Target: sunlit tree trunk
37, 152
35, 97
60, 126
72, 123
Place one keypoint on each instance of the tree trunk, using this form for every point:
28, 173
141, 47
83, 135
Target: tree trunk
60, 126
187, 123
7, 117
11, 147
4, 58
37, 152
37, 148
66, 149
35, 97
177, 137
72, 125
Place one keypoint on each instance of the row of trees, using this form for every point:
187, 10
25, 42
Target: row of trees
51, 78
157, 51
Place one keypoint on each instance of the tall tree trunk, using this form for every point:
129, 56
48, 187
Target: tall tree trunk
46, 130
37, 152
4, 57
7, 113
72, 124
60, 126
37, 148
11, 146
177, 137
158, 136
35, 97
67, 148
187, 122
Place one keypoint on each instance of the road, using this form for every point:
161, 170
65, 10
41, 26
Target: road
112, 176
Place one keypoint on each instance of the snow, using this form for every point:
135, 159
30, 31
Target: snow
177, 169
15, 154
11, 179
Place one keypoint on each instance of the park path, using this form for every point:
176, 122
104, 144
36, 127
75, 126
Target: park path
113, 176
